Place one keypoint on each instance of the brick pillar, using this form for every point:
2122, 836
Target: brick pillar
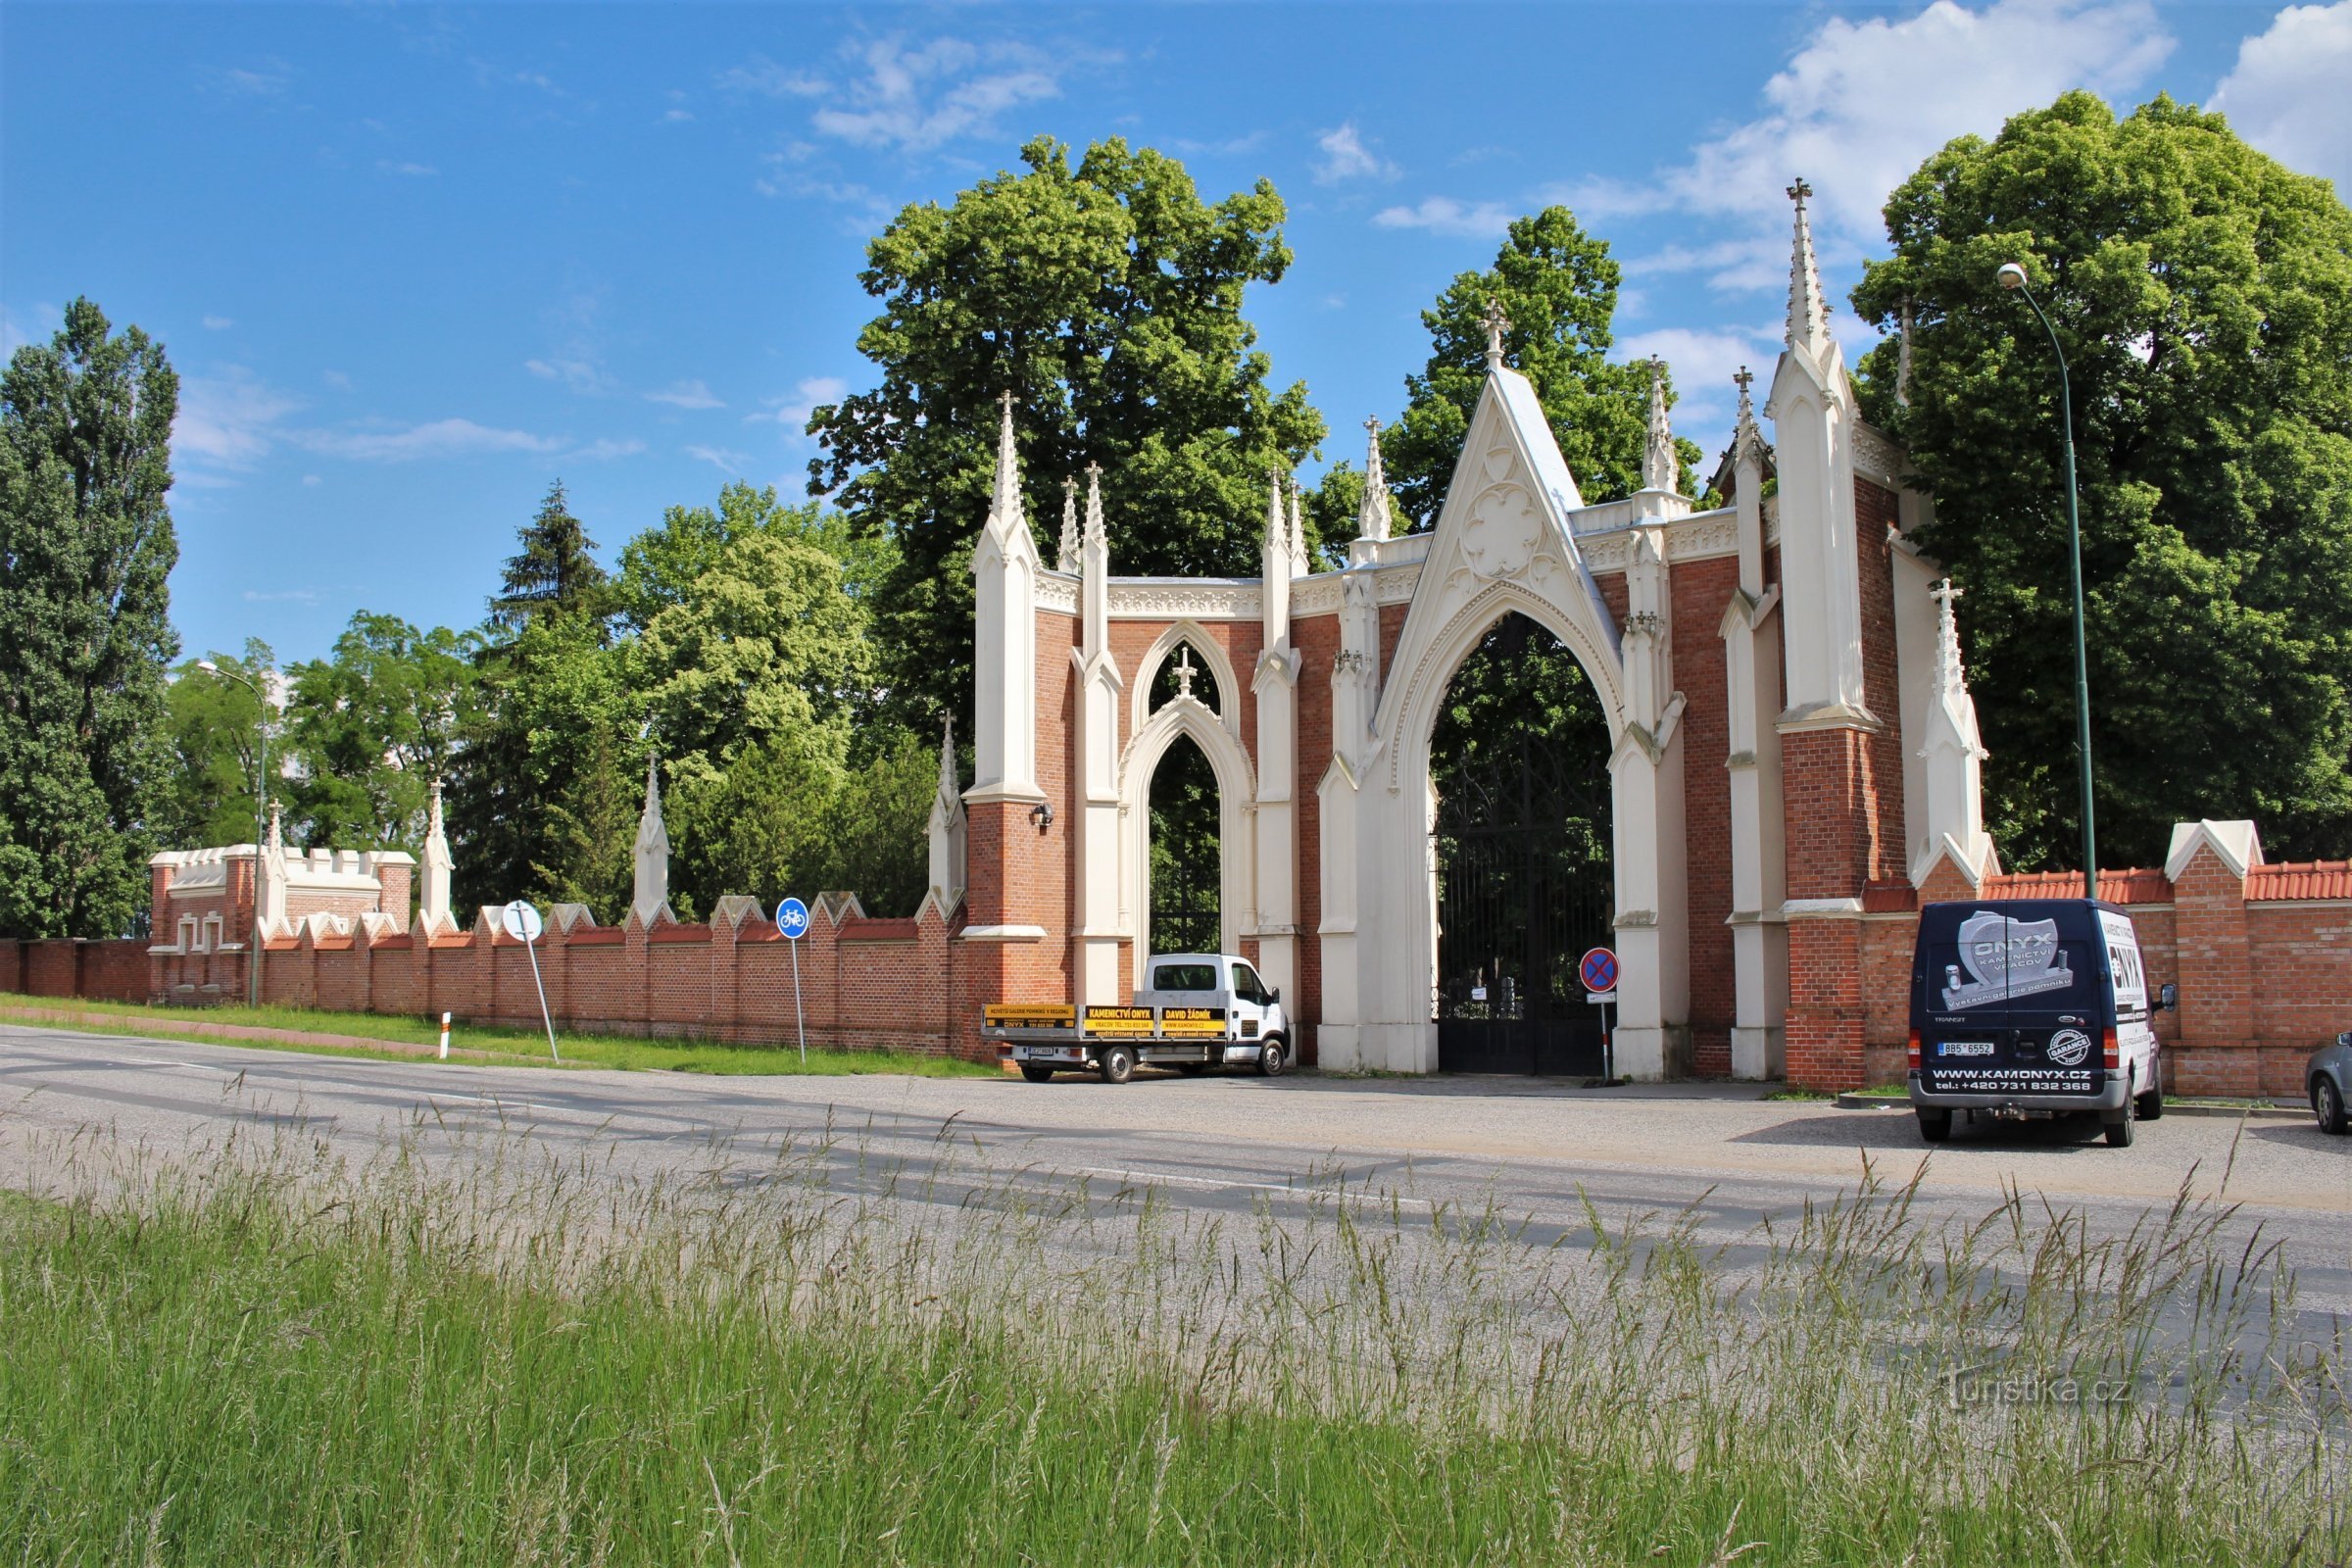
2217, 980
1825, 788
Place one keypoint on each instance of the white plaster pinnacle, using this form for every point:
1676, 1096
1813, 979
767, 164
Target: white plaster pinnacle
1297, 539
432, 900
1066, 559
1497, 323
1660, 467
1746, 439
1004, 511
652, 853
1372, 515
1949, 679
1808, 312
945, 833
1095, 537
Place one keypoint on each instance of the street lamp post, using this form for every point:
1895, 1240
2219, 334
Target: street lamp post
2013, 278
261, 813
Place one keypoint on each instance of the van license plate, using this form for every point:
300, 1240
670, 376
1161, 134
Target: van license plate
1965, 1047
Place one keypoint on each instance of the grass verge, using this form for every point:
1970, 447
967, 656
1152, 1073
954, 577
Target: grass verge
272, 1360
348, 1034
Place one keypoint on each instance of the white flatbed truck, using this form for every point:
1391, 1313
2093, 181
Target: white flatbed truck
1194, 1012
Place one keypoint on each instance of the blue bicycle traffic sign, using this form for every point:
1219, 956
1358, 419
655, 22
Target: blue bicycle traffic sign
1599, 970
792, 918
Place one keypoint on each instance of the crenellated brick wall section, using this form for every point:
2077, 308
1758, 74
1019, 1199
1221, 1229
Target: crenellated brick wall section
2263, 959
865, 984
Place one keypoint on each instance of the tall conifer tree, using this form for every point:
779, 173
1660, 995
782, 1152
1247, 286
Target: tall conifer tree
85, 550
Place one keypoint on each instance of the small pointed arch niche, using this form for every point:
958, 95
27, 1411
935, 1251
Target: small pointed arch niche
1161, 677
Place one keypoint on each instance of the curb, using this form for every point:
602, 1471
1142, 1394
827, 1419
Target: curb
1853, 1102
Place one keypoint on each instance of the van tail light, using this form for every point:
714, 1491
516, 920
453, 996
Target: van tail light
1913, 1051
2111, 1050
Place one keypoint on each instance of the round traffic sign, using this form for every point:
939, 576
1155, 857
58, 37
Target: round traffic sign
1599, 970
521, 921
792, 918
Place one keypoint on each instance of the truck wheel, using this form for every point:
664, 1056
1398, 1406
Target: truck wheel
1036, 1072
2151, 1103
2327, 1105
1935, 1126
1270, 1057
2121, 1130
1118, 1065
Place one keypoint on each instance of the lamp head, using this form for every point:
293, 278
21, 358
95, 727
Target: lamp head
2012, 275
207, 666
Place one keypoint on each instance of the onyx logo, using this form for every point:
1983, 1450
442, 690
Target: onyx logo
2067, 1046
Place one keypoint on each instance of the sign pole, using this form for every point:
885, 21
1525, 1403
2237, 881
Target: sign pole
792, 918
444, 1037
522, 923
800, 1022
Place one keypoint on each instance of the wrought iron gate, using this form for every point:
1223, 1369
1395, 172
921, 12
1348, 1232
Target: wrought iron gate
1187, 863
1521, 854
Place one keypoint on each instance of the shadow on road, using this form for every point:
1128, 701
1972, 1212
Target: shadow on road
1899, 1130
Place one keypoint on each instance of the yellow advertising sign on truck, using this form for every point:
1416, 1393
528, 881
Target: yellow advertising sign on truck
1118, 1023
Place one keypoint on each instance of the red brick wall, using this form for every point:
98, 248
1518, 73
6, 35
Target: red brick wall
107, 971
1881, 803
1701, 590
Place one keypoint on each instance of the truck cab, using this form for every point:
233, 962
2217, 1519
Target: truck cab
1190, 1010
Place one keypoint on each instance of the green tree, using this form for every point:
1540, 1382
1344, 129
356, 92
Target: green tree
2203, 295
1107, 299
86, 547
1559, 286
213, 727
554, 573
544, 779
371, 726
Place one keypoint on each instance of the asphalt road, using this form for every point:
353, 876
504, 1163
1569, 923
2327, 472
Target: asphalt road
1226, 1144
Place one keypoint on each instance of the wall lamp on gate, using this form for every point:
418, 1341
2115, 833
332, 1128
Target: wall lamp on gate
1042, 813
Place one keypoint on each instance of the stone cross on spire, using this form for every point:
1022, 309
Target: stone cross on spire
1372, 515
1066, 557
1497, 323
1808, 311
1661, 467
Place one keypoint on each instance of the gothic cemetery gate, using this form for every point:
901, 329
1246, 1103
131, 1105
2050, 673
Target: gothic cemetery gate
1520, 845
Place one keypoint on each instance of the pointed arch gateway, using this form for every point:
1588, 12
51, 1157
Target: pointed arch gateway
1186, 718
1503, 543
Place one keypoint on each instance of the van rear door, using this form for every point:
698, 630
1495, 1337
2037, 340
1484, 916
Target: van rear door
1964, 1039
2017, 1002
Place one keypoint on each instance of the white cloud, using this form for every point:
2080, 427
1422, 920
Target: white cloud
606, 450
264, 79
439, 438
727, 462
915, 99
1346, 157
686, 395
1230, 147
298, 596
1442, 215
390, 166
1863, 103
229, 420
580, 375
217, 323
311, 479
764, 75
336, 379
2286, 94
792, 411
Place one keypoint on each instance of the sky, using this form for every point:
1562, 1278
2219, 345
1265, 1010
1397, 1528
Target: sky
416, 262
